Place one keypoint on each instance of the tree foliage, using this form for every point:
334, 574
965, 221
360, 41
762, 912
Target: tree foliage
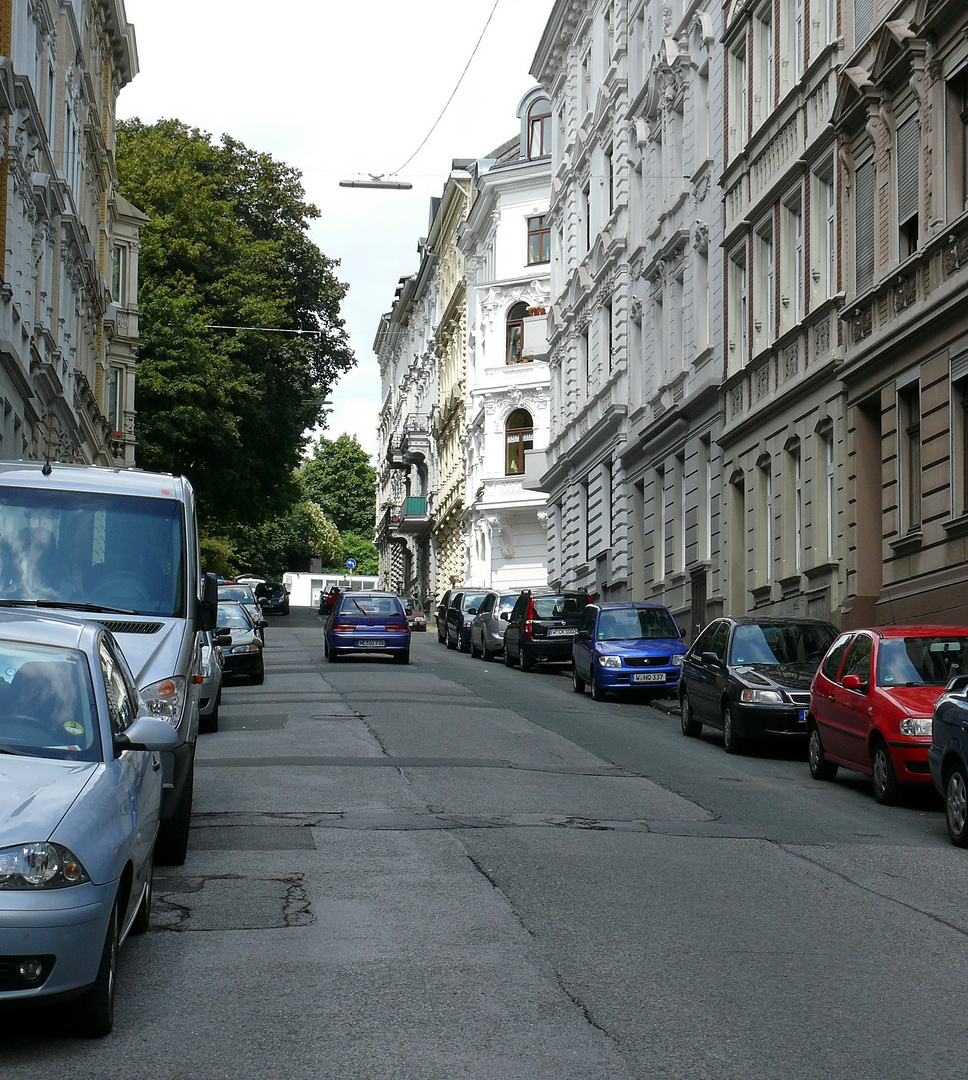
339, 477
227, 245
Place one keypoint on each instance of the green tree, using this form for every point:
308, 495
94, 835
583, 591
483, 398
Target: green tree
356, 547
339, 477
287, 542
227, 246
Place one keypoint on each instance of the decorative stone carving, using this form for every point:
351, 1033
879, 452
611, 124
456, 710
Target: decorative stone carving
762, 382
736, 401
822, 340
906, 292
862, 324
700, 236
791, 360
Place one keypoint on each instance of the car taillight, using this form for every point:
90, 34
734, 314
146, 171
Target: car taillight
342, 628
396, 626
529, 620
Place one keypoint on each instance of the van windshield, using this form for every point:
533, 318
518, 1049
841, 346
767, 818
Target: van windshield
87, 549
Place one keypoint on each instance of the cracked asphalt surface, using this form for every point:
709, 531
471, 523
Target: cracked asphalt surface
454, 870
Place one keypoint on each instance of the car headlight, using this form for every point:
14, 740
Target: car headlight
166, 699
761, 697
916, 725
678, 659
40, 866
251, 647
610, 661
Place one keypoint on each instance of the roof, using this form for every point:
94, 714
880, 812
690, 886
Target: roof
612, 605
96, 478
918, 630
65, 631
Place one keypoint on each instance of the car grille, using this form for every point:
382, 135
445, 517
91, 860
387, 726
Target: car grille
799, 697
647, 661
117, 627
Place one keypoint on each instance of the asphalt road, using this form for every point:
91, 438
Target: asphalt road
457, 870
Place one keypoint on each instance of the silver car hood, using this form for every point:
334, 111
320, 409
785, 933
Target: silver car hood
35, 793
152, 657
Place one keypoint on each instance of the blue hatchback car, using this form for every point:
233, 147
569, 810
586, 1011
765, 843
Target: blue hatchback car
367, 622
948, 756
626, 646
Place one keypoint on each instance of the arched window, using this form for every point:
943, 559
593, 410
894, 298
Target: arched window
515, 333
518, 437
539, 129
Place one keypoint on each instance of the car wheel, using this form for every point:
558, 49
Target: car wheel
92, 1014
142, 920
883, 776
691, 727
259, 677
460, 642
508, 658
598, 694
171, 847
577, 682
450, 644
820, 767
731, 741
334, 656
956, 805
209, 724
403, 657
486, 655
527, 664
473, 648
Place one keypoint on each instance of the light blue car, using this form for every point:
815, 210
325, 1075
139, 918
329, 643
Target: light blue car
80, 798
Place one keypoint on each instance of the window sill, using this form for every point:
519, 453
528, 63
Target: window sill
832, 566
762, 593
957, 526
904, 545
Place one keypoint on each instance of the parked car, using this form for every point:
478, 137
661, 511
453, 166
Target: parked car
626, 646
210, 692
273, 598
80, 804
541, 627
488, 626
240, 642
327, 601
441, 616
873, 700
948, 756
463, 607
750, 677
367, 622
416, 616
243, 594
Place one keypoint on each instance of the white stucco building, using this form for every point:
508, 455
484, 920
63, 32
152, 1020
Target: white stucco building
506, 244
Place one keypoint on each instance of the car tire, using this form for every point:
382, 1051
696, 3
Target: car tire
577, 682
595, 687
691, 727
820, 767
883, 777
403, 657
259, 677
449, 645
732, 743
525, 661
142, 919
334, 656
209, 724
956, 805
92, 1014
171, 848
460, 642
508, 658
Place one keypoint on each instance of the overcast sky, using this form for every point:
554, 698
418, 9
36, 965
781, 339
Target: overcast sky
336, 90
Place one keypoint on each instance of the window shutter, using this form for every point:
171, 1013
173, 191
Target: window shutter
863, 20
907, 170
864, 227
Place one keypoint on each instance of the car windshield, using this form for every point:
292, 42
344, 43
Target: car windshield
786, 643
558, 607
921, 661
46, 705
86, 549
241, 594
631, 624
233, 617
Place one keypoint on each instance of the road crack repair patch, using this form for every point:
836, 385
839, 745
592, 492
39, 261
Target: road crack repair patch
230, 902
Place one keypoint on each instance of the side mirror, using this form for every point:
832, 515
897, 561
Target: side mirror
957, 685
856, 683
585, 635
146, 733
711, 658
206, 615
222, 636
505, 616
261, 624
472, 611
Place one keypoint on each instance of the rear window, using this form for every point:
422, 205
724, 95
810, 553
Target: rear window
789, 643
921, 661
558, 607
371, 605
473, 600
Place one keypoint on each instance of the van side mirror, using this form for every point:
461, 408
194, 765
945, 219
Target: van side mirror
206, 614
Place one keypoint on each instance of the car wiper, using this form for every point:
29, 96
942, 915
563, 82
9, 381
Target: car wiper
13, 753
69, 605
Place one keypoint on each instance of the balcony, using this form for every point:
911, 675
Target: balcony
395, 452
416, 443
414, 517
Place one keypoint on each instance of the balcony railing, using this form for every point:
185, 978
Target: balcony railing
415, 505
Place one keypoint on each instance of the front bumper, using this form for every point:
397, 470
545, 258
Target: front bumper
760, 720
629, 678
68, 924
910, 759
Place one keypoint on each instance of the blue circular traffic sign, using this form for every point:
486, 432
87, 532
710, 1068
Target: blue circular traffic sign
351, 564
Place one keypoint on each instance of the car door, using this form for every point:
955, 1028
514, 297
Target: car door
512, 634
822, 690
583, 647
699, 670
480, 620
850, 710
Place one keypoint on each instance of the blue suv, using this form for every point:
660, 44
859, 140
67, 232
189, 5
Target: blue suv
626, 646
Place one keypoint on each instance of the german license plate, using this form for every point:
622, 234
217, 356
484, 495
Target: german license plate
371, 643
563, 631
652, 676
803, 716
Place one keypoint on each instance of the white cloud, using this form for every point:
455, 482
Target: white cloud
337, 90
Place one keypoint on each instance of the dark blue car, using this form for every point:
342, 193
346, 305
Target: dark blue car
367, 622
948, 756
626, 646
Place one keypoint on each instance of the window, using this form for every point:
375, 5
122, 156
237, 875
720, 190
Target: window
956, 140
586, 218
829, 491
539, 129
738, 101
515, 333
791, 44
659, 535
584, 361
607, 503
764, 97
118, 271
858, 660
795, 489
824, 250
607, 334
738, 310
864, 227
765, 539
610, 180
764, 288
119, 694
539, 239
908, 144
863, 21
909, 457
791, 262
959, 440
518, 437
831, 663
115, 413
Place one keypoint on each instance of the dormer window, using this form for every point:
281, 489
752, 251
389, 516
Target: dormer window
539, 129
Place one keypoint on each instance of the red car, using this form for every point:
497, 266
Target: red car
872, 699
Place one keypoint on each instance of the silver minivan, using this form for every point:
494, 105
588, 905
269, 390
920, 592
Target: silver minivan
120, 546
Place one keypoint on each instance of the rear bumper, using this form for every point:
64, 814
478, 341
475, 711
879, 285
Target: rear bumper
548, 650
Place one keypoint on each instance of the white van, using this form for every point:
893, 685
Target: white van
120, 546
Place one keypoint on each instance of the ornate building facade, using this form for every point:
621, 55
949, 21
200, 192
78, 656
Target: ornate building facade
506, 243
68, 242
